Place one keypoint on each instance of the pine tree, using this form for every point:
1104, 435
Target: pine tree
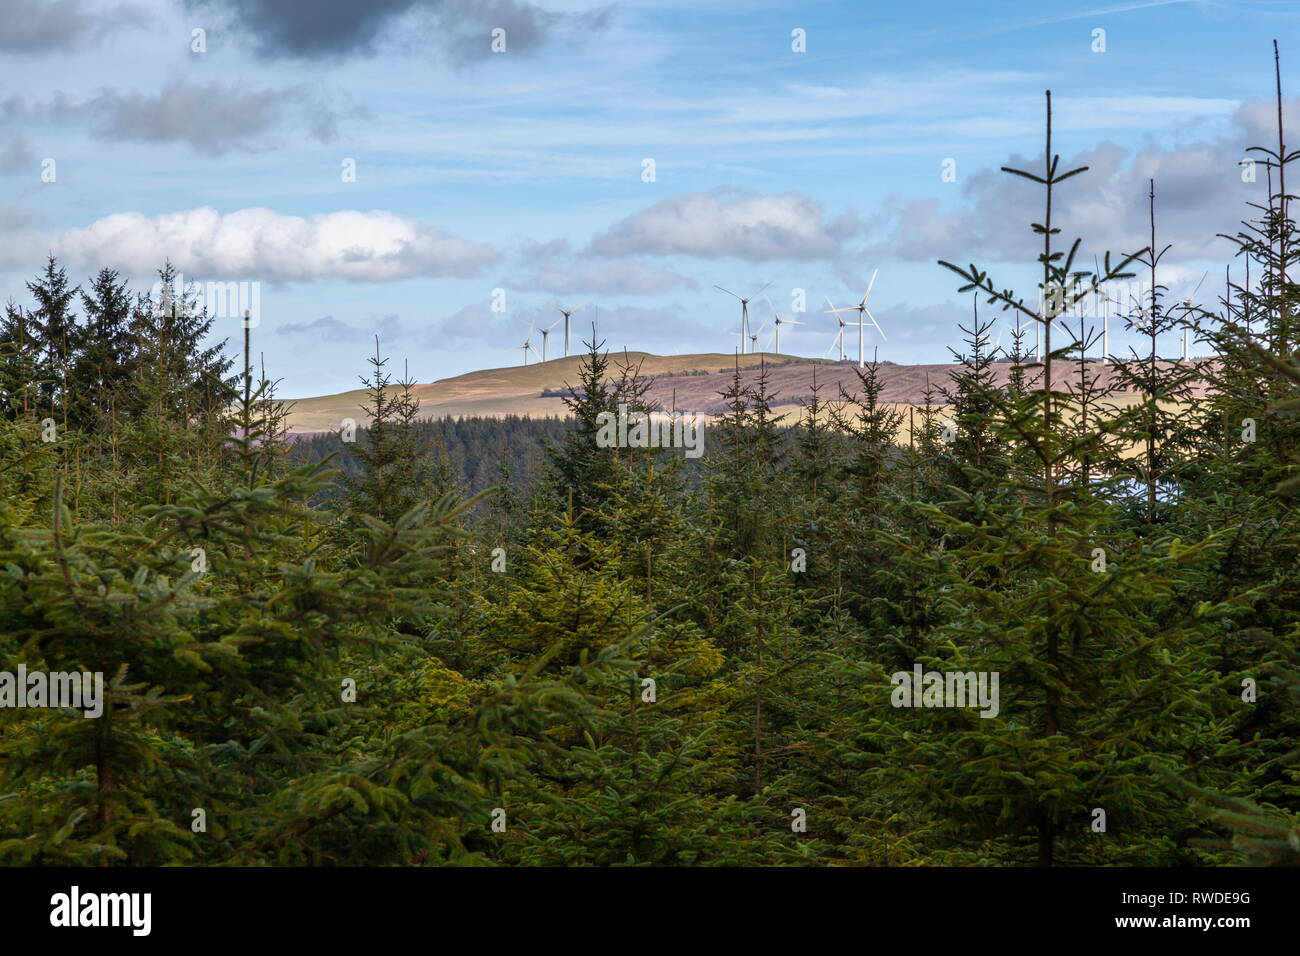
57, 338
101, 368
396, 471
580, 470
973, 400
18, 362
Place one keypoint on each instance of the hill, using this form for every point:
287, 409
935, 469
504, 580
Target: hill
691, 383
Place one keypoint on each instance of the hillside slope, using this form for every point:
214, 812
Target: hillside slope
685, 382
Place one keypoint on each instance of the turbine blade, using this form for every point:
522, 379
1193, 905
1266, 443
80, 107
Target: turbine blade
870, 286
876, 324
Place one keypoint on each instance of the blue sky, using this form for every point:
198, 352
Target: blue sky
522, 171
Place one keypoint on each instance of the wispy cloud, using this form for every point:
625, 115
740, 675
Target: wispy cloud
38, 26
212, 118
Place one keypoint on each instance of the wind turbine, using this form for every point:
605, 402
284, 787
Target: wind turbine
839, 338
777, 322
753, 338
545, 334
566, 313
1038, 326
862, 310
744, 312
1187, 307
1105, 327
1059, 311
528, 343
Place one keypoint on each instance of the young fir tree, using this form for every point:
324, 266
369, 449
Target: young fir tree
396, 472
1091, 678
101, 368
865, 507
1159, 423
973, 401
1245, 482
19, 362
180, 318
57, 338
580, 471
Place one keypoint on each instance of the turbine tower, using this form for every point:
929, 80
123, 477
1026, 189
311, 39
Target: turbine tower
1038, 327
545, 334
839, 338
777, 322
744, 312
1187, 309
1106, 303
753, 339
566, 313
862, 310
528, 343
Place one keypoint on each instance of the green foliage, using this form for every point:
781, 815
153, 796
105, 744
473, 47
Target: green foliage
322, 653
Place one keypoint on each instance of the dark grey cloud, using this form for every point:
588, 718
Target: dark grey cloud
330, 28
319, 28
35, 26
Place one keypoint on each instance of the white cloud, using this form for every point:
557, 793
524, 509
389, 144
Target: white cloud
726, 223
261, 244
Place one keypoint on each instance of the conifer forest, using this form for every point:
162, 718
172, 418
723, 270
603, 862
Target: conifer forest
1046, 615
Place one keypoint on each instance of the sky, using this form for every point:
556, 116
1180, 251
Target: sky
378, 169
